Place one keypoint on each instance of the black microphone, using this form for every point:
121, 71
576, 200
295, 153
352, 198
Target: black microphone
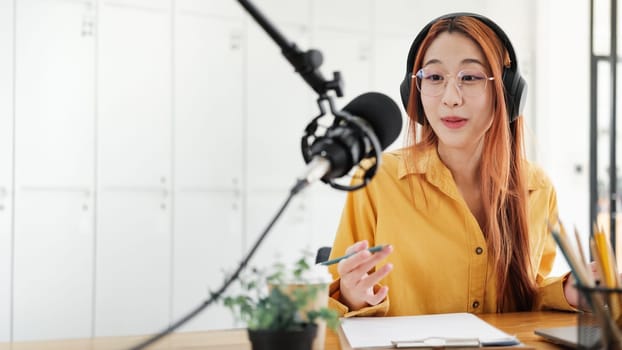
365, 127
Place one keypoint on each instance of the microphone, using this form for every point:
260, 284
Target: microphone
365, 127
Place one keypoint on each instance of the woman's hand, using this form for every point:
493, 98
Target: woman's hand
357, 284
570, 291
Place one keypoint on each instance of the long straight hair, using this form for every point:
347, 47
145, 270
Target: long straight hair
502, 168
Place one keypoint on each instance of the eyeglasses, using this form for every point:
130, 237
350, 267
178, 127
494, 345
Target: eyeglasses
432, 82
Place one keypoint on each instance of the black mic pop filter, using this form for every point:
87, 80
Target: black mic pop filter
381, 113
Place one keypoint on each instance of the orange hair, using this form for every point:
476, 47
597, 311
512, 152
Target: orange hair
502, 168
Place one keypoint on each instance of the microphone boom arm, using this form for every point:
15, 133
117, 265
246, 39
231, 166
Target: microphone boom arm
305, 63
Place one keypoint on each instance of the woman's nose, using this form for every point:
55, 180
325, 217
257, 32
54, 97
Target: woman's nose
452, 96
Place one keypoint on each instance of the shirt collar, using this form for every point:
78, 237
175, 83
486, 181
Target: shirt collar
428, 162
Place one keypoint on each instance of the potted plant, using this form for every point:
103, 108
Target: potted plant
277, 306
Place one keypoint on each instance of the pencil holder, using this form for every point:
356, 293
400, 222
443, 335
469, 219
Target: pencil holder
598, 326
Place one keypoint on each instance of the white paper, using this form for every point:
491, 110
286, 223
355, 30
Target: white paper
363, 332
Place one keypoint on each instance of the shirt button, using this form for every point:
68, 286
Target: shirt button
479, 250
475, 304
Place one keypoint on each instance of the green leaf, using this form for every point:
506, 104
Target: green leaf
264, 307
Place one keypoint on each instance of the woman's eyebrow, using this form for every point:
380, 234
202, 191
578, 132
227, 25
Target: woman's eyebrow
464, 61
472, 60
432, 61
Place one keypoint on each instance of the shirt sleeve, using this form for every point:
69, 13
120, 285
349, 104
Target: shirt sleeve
551, 289
343, 310
552, 294
358, 222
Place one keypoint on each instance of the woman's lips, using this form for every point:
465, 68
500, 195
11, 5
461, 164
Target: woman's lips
454, 122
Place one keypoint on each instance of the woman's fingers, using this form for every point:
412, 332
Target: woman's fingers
377, 298
357, 247
374, 278
363, 261
357, 283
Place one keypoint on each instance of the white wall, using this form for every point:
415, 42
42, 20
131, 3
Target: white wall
6, 165
155, 140
562, 118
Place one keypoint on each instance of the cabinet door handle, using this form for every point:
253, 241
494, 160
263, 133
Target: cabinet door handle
88, 19
235, 39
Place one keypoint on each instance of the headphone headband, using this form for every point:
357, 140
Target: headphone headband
514, 84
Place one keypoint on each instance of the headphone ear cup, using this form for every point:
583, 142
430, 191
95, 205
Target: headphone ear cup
521, 97
405, 94
405, 89
515, 93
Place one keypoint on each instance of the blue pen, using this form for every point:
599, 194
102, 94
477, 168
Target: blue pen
336, 260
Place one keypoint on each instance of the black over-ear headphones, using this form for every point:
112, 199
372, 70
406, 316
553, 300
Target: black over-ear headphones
514, 84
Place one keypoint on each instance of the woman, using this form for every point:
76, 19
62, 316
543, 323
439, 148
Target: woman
463, 214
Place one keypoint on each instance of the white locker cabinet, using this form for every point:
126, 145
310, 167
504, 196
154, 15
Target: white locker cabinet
54, 93
53, 268
289, 238
6, 266
133, 274
348, 15
400, 17
54, 119
280, 12
325, 206
224, 9
349, 53
208, 217
343, 33
208, 102
406, 17
6, 163
208, 242
438, 8
134, 95
279, 106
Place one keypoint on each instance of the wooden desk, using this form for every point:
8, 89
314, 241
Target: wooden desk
522, 324
519, 324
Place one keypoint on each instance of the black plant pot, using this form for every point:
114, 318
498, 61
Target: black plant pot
282, 339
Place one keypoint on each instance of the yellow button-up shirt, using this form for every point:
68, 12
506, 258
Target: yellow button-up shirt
440, 259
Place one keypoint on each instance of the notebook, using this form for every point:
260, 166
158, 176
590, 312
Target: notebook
569, 336
390, 332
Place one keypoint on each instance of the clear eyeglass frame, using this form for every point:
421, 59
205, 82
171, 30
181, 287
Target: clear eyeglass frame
433, 83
